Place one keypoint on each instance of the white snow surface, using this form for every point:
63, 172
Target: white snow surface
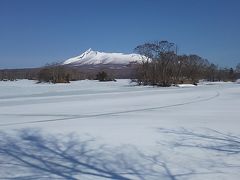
185, 85
91, 57
115, 130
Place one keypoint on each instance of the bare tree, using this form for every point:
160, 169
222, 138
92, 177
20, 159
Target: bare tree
157, 69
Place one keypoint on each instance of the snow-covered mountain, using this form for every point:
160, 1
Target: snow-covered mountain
91, 57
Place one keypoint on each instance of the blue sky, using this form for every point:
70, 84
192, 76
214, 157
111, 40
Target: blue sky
35, 32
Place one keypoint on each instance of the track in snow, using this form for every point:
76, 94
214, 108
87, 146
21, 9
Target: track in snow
73, 117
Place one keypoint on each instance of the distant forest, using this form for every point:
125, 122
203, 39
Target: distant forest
161, 66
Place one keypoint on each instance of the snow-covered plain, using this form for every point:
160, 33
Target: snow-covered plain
114, 130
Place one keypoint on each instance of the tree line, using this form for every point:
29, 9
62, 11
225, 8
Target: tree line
161, 66
57, 73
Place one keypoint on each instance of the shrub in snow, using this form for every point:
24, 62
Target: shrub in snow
54, 74
103, 76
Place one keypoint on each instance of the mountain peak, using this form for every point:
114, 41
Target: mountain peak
90, 49
90, 57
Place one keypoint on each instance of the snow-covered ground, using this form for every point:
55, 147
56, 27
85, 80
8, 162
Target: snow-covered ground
114, 130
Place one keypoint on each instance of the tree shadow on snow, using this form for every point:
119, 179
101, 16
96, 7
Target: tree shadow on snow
31, 155
28, 154
209, 139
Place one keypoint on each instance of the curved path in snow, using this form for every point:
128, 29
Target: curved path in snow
132, 100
